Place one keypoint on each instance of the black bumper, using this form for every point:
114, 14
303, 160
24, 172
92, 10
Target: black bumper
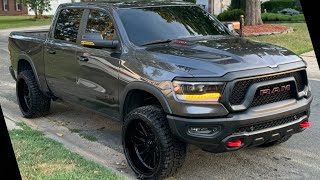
251, 127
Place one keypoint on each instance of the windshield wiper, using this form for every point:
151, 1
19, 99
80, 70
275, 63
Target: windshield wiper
158, 42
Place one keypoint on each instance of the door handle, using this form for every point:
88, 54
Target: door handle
51, 51
83, 58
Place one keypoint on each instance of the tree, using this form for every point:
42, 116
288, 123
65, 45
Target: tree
253, 13
39, 6
298, 5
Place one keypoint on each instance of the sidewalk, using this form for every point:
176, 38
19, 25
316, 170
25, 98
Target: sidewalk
313, 68
11, 124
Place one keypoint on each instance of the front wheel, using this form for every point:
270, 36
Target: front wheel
149, 146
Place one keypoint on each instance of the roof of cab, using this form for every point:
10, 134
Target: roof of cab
134, 4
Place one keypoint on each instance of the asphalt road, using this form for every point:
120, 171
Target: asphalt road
296, 159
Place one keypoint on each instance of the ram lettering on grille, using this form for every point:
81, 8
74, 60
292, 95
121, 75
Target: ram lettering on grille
275, 90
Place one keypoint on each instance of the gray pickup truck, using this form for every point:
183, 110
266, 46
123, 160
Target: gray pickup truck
171, 72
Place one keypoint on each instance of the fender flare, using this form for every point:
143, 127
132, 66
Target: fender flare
27, 58
143, 86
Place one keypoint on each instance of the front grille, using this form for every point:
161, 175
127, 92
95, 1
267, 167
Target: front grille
241, 87
269, 124
271, 98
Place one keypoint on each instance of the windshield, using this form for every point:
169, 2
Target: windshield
148, 24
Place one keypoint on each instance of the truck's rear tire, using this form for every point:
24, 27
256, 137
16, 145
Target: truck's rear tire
149, 146
279, 141
32, 101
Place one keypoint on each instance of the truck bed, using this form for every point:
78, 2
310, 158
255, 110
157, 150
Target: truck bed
27, 45
39, 34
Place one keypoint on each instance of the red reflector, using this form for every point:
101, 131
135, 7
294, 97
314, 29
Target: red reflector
180, 42
233, 144
305, 124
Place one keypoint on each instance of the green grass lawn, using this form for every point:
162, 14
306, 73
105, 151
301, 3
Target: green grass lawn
21, 21
42, 158
298, 41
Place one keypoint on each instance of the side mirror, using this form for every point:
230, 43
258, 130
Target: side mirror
95, 40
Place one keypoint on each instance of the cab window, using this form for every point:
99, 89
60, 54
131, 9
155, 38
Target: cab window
100, 22
68, 24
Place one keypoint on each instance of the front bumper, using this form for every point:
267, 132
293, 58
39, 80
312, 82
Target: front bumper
227, 127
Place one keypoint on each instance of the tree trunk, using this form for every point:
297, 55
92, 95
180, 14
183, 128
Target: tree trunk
40, 14
36, 13
253, 13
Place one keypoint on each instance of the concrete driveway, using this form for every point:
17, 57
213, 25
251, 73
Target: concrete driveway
296, 159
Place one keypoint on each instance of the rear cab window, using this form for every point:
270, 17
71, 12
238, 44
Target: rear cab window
68, 24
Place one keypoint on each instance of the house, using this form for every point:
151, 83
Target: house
54, 6
216, 6
12, 7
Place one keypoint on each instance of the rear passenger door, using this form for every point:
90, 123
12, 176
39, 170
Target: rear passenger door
98, 73
61, 66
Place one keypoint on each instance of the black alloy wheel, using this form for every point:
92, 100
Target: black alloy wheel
143, 146
149, 146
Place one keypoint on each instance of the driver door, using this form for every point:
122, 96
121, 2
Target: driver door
97, 79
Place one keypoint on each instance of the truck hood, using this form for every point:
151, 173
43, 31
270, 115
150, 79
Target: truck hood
218, 56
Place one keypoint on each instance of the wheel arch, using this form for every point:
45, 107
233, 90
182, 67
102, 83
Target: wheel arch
143, 87
22, 61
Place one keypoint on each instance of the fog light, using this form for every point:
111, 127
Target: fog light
203, 130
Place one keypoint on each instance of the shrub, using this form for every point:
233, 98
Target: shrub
299, 17
273, 6
237, 4
231, 15
281, 17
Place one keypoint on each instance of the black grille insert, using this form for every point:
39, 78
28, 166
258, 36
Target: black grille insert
269, 124
241, 87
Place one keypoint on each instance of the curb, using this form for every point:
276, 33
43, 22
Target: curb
279, 22
289, 30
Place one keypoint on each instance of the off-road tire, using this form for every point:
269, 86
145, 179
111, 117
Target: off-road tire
172, 151
277, 142
39, 104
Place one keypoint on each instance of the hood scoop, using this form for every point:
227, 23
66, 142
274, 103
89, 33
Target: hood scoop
193, 53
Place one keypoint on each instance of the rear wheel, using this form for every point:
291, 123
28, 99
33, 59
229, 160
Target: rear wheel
149, 146
279, 141
32, 101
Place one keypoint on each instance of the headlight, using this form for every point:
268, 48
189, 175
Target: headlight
198, 91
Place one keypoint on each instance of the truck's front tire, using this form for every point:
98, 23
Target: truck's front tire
32, 101
149, 146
